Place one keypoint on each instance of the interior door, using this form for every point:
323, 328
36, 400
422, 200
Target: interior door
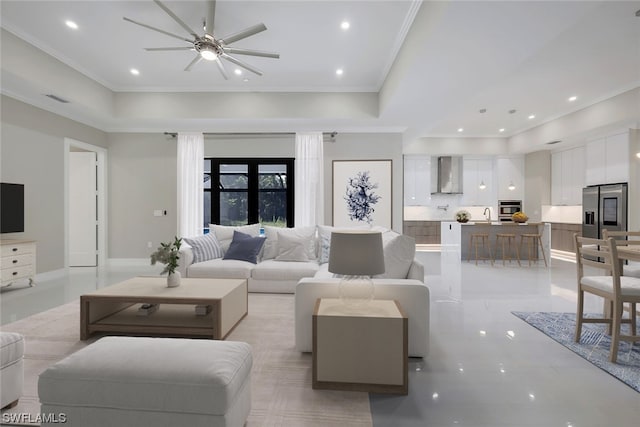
83, 226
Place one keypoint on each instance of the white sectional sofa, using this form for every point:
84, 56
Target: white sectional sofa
274, 273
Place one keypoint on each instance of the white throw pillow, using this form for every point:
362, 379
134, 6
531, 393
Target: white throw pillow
224, 233
307, 235
204, 247
292, 248
399, 251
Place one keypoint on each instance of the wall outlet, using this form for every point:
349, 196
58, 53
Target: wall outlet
149, 245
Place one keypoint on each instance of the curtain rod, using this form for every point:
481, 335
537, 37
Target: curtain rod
249, 134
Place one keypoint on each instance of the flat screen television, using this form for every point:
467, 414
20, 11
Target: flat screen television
11, 208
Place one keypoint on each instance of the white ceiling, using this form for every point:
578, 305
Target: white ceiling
457, 57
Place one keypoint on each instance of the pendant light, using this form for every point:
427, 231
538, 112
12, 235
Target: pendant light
511, 186
482, 185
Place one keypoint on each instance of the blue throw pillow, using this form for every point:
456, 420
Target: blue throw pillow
244, 247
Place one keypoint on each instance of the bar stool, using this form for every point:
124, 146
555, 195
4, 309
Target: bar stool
479, 238
533, 240
506, 238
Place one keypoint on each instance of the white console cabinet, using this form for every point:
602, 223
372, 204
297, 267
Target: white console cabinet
18, 261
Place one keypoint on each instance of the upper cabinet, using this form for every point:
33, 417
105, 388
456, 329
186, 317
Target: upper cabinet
477, 182
607, 160
510, 177
417, 180
567, 176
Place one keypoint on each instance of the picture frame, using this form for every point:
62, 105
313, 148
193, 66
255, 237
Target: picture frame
362, 193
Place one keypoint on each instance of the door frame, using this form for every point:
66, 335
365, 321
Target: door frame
101, 155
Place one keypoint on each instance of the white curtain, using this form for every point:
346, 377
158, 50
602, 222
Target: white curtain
190, 184
309, 180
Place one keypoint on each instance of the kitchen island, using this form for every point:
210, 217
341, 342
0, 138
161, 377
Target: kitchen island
455, 237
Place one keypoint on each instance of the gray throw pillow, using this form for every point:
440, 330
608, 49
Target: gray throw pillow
244, 247
204, 247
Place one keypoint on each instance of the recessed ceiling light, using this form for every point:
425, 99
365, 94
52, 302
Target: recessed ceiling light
238, 71
345, 25
638, 154
245, 79
533, 116
339, 71
71, 24
501, 130
460, 129
134, 72
572, 98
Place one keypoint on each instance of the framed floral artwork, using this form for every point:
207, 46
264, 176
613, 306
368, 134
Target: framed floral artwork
362, 193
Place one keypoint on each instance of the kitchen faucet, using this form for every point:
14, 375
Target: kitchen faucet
488, 218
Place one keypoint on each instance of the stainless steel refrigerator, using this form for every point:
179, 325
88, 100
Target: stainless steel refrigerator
604, 207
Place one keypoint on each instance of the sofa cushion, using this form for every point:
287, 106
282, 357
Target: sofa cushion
221, 269
292, 248
306, 235
399, 251
224, 233
204, 247
11, 348
244, 247
284, 270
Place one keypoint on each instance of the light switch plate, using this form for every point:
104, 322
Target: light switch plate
157, 212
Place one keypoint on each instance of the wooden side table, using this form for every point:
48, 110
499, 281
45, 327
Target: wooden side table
362, 349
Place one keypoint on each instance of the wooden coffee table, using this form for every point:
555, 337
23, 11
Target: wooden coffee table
114, 309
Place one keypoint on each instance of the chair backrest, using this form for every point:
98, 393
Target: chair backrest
623, 238
599, 248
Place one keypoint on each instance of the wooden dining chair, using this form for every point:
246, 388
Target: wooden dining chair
629, 239
613, 287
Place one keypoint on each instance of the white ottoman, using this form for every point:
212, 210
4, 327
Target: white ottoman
129, 381
11, 368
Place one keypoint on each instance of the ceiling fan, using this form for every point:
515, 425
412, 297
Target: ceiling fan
207, 46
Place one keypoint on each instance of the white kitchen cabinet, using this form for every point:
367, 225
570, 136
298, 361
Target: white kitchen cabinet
474, 173
510, 170
595, 162
417, 180
607, 160
567, 176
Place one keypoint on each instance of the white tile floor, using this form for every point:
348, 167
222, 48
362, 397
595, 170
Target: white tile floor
486, 367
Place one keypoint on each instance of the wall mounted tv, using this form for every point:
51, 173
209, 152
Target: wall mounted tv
11, 208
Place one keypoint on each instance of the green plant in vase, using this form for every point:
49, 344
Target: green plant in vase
168, 254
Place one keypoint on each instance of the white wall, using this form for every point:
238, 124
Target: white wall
32, 153
142, 178
259, 146
457, 146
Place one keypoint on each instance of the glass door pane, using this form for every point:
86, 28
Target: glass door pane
272, 194
234, 192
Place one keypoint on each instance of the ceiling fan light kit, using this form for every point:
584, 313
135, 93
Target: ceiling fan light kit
207, 46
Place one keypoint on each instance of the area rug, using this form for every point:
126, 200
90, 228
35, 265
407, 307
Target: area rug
281, 393
594, 345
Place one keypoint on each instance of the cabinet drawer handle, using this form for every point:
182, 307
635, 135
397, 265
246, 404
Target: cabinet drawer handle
15, 273
15, 261
14, 249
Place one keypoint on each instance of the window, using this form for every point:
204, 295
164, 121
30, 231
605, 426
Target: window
246, 191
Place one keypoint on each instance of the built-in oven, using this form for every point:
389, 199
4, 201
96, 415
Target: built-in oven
506, 208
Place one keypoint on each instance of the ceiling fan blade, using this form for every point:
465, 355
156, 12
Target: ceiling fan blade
243, 34
175, 18
239, 51
211, 16
157, 49
197, 59
241, 64
156, 29
223, 71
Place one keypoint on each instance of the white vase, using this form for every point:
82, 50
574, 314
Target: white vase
173, 279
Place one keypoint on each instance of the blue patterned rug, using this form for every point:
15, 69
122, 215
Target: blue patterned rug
594, 344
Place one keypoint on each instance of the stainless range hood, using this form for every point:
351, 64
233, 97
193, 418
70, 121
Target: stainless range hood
446, 178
